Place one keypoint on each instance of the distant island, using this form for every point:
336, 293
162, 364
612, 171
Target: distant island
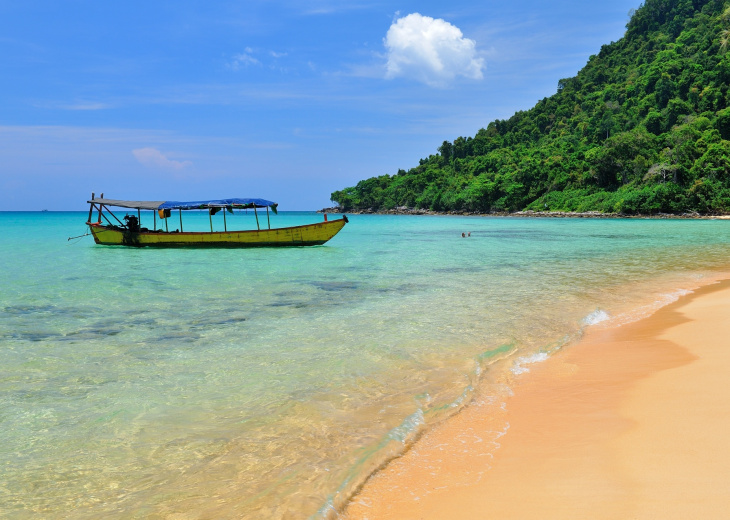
644, 128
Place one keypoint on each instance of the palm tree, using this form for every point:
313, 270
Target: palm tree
724, 40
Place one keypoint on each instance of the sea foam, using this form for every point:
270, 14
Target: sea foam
519, 368
596, 317
408, 428
647, 310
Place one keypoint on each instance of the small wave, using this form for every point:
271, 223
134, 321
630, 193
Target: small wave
596, 317
647, 310
393, 445
672, 297
464, 398
408, 428
519, 368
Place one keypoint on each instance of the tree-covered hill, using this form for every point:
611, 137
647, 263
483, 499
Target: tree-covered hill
643, 128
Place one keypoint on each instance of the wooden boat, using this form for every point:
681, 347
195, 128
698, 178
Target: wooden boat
130, 233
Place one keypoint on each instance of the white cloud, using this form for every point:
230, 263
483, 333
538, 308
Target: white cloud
244, 59
430, 50
248, 58
153, 158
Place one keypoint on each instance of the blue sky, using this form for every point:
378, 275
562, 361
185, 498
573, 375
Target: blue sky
284, 100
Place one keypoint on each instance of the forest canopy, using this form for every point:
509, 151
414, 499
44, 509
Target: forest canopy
643, 128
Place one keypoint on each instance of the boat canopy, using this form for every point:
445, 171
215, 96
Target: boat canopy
220, 203
197, 204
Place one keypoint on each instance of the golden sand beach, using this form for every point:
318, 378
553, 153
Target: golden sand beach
630, 422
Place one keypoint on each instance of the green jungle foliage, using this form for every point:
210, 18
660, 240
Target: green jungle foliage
643, 128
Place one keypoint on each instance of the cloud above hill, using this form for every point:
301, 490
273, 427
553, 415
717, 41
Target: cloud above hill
430, 50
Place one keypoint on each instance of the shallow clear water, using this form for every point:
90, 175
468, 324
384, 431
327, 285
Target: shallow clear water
266, 383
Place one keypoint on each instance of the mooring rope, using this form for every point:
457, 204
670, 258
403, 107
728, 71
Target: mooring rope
80, 236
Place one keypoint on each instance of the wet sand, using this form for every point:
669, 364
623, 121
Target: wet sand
631, 422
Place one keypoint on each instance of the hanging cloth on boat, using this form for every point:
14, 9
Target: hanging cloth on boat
163, 213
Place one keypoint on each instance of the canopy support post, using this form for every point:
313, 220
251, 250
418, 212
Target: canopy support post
181, 229
257, 218
154, 220
112, 214
225, 227
107, 220
139, 217
268, 221
210, 217
100, 205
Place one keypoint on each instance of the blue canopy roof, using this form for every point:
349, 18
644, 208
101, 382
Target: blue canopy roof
219, 203
196, 204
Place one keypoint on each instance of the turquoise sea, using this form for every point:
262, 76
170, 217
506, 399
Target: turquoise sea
269, 383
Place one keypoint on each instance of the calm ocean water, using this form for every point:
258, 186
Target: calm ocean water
267, 383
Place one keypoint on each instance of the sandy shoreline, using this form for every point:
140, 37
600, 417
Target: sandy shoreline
528, 214
631, 422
